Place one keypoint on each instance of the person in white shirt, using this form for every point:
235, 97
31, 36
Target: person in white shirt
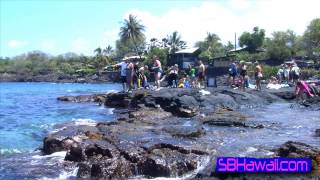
280, 73
286, 73
123, 65
295, 73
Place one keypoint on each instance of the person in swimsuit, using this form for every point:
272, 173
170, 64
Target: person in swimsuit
303, 88
130, 74
157, 71
258, 76
243, 74
201, 74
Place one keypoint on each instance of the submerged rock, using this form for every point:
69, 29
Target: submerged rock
51, 144
312, 103
185, 131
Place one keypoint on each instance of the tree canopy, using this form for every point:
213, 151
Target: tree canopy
211, 47
252, 41
283, 44
132, 36
312, 37
175, 43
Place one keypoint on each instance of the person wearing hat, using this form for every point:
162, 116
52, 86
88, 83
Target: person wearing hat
123, 65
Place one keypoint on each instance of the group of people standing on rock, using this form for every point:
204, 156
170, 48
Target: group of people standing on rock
288, 73
133, 76
238, 75
193, 77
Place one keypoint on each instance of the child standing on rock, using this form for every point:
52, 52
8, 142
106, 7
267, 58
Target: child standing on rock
258, 76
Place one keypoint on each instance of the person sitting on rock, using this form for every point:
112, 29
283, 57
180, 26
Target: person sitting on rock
173, 76
183, 81
142, 76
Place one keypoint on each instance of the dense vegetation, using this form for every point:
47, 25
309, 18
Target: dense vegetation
281, 45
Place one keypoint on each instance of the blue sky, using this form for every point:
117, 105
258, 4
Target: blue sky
80, 26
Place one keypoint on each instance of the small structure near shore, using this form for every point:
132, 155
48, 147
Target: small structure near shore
184, 57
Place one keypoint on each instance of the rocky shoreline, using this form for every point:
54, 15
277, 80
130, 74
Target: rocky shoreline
55, 78
151, 137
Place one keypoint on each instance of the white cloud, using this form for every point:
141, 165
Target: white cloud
16, 44
225, 19
80, 45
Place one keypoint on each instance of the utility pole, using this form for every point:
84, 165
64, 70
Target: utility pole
235, 41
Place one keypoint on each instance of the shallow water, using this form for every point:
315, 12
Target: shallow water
28, 111
282, 122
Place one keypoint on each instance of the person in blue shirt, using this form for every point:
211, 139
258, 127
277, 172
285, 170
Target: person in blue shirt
233, 71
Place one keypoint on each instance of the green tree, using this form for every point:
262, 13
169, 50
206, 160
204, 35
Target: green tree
312, 37
107, 51
162, 53
101, 60
175, 43
154, 43
211, 47
252, 41
131, 35
229, 46
283, 44
164, 43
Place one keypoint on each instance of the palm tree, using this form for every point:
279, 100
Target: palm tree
107, 51
165, 42
175, 42
132, 30
98, 58
211, 46
153, 43
212, 37
98, 51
